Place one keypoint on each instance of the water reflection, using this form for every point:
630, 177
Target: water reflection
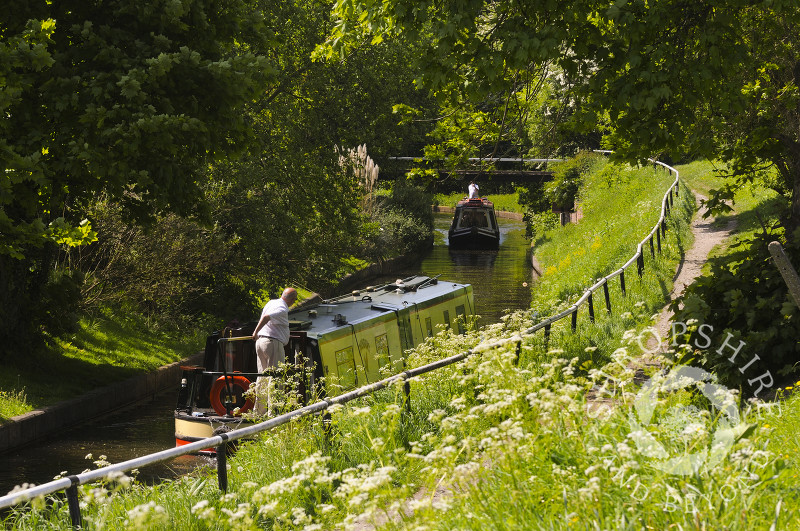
479, 259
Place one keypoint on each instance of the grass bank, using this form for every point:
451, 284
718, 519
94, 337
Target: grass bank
754, 206
503, 202
535, 438
105, 349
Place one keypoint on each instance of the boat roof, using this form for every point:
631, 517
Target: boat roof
481, 202
364, 305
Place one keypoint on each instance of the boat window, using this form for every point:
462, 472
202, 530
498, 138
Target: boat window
429, 326
447, 318
382, 350
346, 367
474, 218
461, 318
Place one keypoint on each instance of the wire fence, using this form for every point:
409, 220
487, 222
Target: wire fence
223, 441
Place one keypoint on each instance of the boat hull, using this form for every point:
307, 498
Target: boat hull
474, 226
189, 429
474, 238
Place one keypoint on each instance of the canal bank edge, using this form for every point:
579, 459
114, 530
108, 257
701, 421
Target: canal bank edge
498, 213
40, 424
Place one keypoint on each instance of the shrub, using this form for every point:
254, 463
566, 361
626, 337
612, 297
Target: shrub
398, 234
537, 223
538, 198
567, 178
61, 301
412, 200
742, 299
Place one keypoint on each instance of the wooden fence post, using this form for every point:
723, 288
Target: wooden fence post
787, 270
222, 464
546, 336
74, 503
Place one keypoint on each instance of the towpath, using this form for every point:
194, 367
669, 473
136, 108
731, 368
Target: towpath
707, 235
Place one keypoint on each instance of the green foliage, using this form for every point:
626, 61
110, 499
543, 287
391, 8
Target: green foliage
401, 224
60, 304
412, 200
397, 234
562, 190
741, 292
743, 298
539, 198
665, 76
171, 272
129, 116
113, 100
120, 98
537, 224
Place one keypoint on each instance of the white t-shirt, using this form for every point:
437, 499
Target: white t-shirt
473, 191
278, 324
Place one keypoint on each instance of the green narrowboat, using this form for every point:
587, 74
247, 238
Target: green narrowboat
345, 342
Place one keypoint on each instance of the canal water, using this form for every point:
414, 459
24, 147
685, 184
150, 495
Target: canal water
501, 282
127, 434
500, 279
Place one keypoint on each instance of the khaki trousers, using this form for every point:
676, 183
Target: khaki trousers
269, 353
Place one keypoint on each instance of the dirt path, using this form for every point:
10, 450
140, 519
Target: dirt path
706, 237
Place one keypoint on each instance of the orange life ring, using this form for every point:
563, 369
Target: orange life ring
238, 385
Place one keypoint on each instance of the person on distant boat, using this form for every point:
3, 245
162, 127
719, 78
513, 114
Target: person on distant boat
271, 335
474, 193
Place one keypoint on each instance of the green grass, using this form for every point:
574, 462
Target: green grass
104, 350
13, 403
503, 202
753, 206
492, 444
616, 216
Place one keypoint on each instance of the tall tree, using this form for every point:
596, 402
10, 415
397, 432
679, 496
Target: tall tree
119, 97
289, 207
283, 213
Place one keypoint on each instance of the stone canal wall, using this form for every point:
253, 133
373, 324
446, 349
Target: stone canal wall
49, 421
